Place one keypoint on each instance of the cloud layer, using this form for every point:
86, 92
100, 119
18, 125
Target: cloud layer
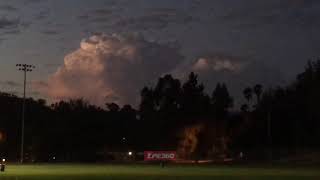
110, 68
272, 34
156, 18
114, 68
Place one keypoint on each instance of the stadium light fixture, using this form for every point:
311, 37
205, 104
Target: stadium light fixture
25, 68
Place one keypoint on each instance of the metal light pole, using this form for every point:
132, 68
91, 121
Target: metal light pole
25, 68
270, 136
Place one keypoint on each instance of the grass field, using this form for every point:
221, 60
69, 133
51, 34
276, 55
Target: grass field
134, 172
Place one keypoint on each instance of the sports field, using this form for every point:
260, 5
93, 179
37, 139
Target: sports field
144, 172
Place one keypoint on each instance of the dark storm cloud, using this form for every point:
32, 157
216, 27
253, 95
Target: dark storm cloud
8, 8
42, 14
83, 17
40, 83
10, 32
102, 12
12, 26
6, 23
51, 66
285, 12
99, 16
50, 32
144, 23
117, 15
10, 84
100, 20
34, 1
156, 18
25, 24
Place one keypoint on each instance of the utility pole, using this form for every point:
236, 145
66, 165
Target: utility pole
270, 136
25, 68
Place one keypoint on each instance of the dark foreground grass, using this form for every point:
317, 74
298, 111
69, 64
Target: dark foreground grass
135, 172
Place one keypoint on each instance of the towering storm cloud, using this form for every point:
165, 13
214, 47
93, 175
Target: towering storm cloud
111, 68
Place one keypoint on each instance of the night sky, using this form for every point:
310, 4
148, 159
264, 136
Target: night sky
107, 50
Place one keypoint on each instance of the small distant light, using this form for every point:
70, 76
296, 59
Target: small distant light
130, 153
124, 138
3, 160
54, 158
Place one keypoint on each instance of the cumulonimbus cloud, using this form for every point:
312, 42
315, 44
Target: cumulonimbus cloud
110, 68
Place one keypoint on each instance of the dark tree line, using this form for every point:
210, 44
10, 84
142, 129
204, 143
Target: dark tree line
172, 115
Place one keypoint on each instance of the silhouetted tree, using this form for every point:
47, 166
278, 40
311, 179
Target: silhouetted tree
257, 89
167, 95
244, 108
113, 107
75, 130
221, 100
195, 104
147, 104
247, 92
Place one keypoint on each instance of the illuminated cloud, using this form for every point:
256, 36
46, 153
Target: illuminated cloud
110, 68
238, 72
218, 63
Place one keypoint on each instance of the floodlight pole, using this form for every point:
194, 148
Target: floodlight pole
23, 115
270, 137
25, 68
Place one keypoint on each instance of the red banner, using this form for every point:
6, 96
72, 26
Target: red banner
160, 155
